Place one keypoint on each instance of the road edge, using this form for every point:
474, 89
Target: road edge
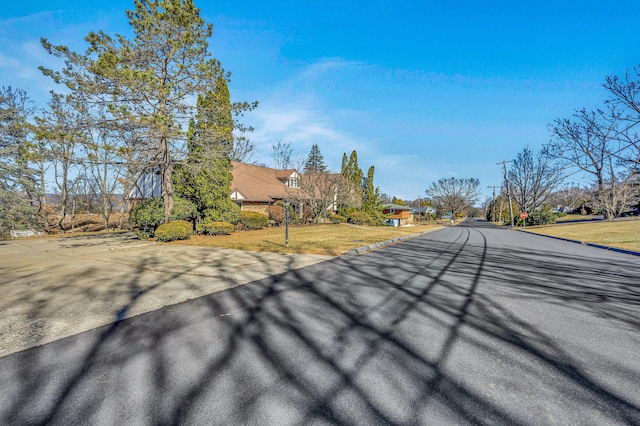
375, 246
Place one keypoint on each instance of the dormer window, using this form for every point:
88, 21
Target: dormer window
294, 183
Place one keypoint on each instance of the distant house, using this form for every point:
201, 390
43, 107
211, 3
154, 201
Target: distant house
423, 212
397, 215
253, 188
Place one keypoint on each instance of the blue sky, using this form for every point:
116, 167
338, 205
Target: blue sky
420, 89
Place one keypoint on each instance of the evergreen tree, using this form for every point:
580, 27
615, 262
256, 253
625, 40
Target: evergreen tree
352, 184
15, 176
146, 81
370, 203
353, 172
205, 177
315, 161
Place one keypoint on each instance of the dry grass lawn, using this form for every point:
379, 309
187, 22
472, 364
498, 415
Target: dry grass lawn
332, 240
576, 217
624, 235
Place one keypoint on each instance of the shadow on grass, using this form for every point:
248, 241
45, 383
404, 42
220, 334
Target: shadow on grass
433, 330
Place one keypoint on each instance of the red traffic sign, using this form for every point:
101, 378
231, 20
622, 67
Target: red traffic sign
524, 215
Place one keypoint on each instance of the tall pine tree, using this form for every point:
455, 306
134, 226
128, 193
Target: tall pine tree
146, 81
315, 161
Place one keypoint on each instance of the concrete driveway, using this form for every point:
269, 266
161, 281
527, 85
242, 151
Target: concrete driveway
57, 287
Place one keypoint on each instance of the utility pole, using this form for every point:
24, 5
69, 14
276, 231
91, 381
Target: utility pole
494, 200
506, 181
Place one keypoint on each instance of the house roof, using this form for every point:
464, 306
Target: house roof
260, 184
396, 207
285, 174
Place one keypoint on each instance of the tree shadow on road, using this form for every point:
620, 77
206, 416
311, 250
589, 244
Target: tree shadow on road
447, 335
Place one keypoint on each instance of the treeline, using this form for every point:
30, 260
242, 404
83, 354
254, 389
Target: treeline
157, 101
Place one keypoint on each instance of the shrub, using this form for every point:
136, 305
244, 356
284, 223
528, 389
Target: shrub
174, 230
253, 220
149, 214
359, 218
146, 216
560, 214
231, 214
276, 214
183, 210
216, 228
336, 218
541, 217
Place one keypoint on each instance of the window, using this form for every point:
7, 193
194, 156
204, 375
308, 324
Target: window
294, 183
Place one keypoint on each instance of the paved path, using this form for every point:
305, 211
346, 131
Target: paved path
468, 325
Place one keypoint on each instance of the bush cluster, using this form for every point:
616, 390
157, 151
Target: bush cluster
253, 220
216, 228
149, 214
360, 218
174, 230
276, 214
336, 218
541, 217
146, 217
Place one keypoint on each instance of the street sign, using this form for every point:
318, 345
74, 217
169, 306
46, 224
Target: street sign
524, 215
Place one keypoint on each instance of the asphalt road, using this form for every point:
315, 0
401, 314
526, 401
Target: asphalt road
468, 325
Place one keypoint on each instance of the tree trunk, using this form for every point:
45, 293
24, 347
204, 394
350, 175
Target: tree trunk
167, 185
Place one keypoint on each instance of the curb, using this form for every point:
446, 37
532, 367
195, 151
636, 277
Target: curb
600, 246
375, 246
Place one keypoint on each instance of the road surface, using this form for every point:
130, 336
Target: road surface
468, 325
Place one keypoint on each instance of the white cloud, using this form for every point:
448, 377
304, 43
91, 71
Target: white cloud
8, 62
296, 111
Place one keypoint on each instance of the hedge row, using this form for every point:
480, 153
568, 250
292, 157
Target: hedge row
216, 228
253, 220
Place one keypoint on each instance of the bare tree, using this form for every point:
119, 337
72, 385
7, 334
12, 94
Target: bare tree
617, 194
571, 196
453, 195
61, 130
281, 153
243, 150
533, 177
589, 141
320, 193
625, 96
